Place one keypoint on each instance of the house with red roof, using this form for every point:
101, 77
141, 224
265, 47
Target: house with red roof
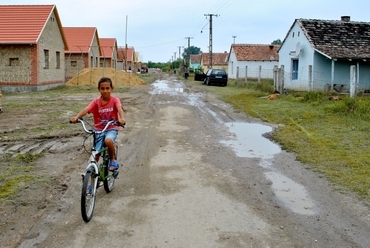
214, 60
126, 59
194, 61
109, 50
83, 49
32, 45
252, 60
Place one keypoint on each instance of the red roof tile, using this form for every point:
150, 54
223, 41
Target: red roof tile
122, 54
217, 59
108, 46
80, 39
195, 58
259, 52
23, 24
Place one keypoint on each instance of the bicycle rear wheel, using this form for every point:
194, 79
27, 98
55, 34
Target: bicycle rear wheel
88, 196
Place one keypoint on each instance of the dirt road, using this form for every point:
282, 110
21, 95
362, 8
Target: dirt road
194, 173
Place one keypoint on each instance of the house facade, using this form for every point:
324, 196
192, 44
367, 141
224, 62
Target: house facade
126, 59
84, 49
109, 51
194, 61
252, 60
32, 48
216, 61
318, 55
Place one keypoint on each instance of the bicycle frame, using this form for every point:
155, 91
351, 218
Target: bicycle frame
96, 173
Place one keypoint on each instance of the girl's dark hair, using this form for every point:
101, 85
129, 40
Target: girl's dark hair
104, 80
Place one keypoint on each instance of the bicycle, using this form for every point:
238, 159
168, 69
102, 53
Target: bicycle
96, 174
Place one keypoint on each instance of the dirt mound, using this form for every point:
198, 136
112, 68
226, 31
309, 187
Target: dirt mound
91, 76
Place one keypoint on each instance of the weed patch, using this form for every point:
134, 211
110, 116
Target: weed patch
16, 173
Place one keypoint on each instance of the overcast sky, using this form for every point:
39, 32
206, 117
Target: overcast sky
157, 28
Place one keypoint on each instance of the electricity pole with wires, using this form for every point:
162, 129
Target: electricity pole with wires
210, 39
188, 52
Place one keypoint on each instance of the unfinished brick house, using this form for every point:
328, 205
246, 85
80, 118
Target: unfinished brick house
32, 45
128, 53
109, 51
84, 49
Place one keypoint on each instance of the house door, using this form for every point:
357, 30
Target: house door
294, 69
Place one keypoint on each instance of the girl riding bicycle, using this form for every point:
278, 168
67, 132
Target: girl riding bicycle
104, 109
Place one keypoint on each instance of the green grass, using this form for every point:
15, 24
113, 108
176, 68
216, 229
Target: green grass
16, 173
332, 137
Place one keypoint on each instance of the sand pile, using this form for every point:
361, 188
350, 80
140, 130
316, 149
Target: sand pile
91, 76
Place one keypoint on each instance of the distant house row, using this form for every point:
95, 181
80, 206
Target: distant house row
315, 55
38, 53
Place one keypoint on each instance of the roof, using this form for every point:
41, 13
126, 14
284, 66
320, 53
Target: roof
256, 52
217, 58
338, 39
122, 53
195, 58
108, 46
80, 39
23, 24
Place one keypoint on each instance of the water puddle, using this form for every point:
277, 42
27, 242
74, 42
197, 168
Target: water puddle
291, 194
164, 87
247, 140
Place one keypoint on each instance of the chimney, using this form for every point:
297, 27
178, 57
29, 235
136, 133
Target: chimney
345, 18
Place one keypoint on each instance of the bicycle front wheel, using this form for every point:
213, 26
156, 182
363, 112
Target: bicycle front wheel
109, 179
88, 196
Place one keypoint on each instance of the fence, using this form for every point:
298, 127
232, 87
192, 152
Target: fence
306, 79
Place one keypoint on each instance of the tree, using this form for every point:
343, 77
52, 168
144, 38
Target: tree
276, 42
191, 50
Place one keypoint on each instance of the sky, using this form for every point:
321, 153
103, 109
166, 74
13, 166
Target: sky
160, 30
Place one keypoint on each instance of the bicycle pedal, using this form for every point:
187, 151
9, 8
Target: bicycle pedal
115, 174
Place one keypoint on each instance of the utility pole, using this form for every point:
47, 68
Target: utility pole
180, 51
174, 55
210, 39
188, 54
234, 39
126, 45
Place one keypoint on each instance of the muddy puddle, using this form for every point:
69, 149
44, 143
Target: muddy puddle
247, 140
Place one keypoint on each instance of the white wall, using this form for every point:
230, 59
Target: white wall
305, 58
252, 67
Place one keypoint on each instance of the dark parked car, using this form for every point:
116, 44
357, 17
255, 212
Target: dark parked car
199, 75
216, 77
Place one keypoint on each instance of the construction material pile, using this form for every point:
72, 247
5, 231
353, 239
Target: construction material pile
91, 76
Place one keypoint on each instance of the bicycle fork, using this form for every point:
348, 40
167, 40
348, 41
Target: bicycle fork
93, 168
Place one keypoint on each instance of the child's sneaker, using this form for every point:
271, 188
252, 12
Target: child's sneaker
89, 190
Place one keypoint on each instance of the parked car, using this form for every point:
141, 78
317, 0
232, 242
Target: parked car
199, 75
216, 77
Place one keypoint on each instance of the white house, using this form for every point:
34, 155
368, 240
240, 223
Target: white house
318, 54
254, 60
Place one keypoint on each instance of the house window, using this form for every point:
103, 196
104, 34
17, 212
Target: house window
293, 34
73, 63
46, 59
58, 60
294, 69
14, 62
299, 33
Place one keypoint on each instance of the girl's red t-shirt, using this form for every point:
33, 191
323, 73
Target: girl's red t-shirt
104, 113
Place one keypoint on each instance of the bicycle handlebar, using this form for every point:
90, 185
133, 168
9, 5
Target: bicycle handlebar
111, 122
